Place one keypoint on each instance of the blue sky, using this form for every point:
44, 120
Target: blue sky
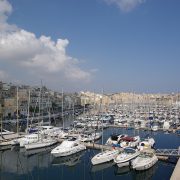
111, 44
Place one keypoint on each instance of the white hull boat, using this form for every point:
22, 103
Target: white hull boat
68, 147
144, 161
155, 128
146, 144
114, 139
28, 139
90, 137
124, 158
40, 144
105, 156
130, 142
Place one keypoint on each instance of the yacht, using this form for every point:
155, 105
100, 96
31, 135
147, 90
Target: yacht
27, 139
147, 143
104, 156
114, 138
124, 158
145, 160
155, 127
129, 141
90, 137
40, 144
166, 126
68, 147
49, 130
6, 132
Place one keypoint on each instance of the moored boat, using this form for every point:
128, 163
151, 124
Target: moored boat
145, 160
124, 158
68, 147
104, 156
41, 144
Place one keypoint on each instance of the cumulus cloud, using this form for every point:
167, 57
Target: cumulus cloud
126, 5
42, 57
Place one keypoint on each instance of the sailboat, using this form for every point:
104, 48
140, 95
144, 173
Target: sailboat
41, 144
28, 138
104, 156
7, 136
42, 141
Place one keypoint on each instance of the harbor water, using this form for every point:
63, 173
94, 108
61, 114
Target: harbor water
16, 163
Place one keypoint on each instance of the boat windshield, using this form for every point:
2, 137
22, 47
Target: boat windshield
129, 150
146, 155
114, 137
67, 144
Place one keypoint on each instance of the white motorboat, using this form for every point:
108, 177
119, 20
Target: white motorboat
155, 128
114, 139
28, 139
6, 143
129, 141
104, 156
166, 126
145, 160
90, 137
49, 130
6, 132
124, 158
40, 144
146, 144
68, 147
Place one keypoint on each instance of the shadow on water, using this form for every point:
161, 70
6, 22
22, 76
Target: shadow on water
70, 160
145, 175
121, 171
100, 167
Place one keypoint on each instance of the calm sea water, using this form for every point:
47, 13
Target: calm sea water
39, 164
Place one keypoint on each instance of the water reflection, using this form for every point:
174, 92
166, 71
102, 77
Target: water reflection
100, 167
120, 171
38, 151
15, 162
71, 160
148, 174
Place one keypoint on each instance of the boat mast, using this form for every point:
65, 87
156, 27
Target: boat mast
28, 109
39, 109
62, 109
49, 111
1, 115
17, 112
73, 115
101, 99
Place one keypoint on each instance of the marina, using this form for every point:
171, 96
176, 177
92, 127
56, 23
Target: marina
39, 163
134, 140
89, 90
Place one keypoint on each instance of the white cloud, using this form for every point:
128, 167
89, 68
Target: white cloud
126, 5
41, 57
